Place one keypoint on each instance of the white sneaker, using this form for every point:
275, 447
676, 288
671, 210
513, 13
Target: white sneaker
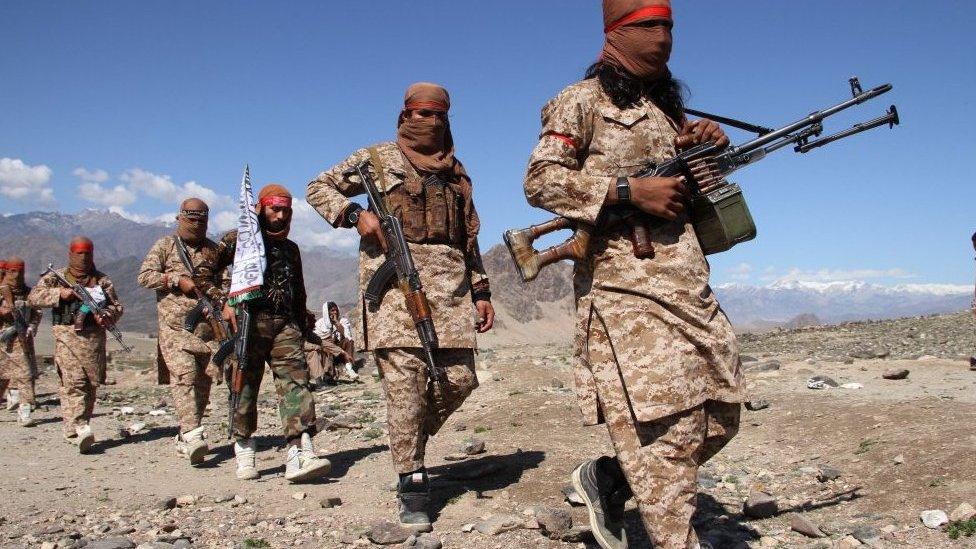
351, 372
246, 469
13, 399
24, 415
302, 464
85, 438
193, 445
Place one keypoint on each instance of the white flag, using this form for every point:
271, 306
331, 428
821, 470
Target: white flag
247, 273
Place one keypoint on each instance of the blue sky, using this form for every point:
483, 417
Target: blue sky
133, 105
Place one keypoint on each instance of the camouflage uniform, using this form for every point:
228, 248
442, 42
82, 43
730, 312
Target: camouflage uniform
278, 324
657, 357
448, 272
14, 369
185, 355
78, 356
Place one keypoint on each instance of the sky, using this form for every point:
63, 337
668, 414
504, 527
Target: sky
132, 106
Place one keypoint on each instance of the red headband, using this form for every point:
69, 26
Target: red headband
274, 200
429, 105
16, 266
3, 265
638, 14
79, 247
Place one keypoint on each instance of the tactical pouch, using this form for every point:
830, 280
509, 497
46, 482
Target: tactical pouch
722, 219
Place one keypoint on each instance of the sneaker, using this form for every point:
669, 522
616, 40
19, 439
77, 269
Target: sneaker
302, 463
13, 399
24, 415
193, 445
603, 504
245, 450
351, 372
85, 438
413, 491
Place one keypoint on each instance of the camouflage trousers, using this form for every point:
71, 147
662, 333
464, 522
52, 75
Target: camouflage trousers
80, 361
660, 458
414, 413
16, 373
187, 358
278, 342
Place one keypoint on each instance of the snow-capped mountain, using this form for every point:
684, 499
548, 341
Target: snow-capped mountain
837, 301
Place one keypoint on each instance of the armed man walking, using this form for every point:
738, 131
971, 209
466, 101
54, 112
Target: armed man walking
79, 335
659, 361
427, 189
182, 269
18, 326
276, 337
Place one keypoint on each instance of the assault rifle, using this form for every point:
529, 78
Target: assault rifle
205, 307
235, 374
21, 312
718, 210
399, 263
89, 303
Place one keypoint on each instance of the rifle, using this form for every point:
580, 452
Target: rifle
21, 312
718, 210
399, 263
205, 307
94, 308
235, 374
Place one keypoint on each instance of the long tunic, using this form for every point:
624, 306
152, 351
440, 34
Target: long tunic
447, 272
673, 344
13, 363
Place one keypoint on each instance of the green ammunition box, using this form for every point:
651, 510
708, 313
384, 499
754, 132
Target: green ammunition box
722, 219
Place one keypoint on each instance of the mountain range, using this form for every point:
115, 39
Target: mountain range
539, 311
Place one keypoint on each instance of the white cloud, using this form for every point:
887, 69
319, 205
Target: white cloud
162, 187
838, 275
741, 271
165, 219
116, 196
90, 176
25, 183
308, 228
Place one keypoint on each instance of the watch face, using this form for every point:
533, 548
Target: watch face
353, 217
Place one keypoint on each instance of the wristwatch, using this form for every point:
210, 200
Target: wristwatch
352, 214
623, 190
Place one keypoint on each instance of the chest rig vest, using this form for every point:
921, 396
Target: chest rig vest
280, 280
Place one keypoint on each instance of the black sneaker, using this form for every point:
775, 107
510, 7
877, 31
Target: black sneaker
604, 502
414, 495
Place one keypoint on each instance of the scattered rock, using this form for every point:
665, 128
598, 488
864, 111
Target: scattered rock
578, 534
157, 413
111, 543
895, 373
224, 498
240, 500
800, 523
345, 421
427, 541
866, 534
186, 500
757, 404
329, 503
821, 382
467, 528
166, 503
827, 472
388, 533
572, 497
760, 505
852, 386
473, 446
934, 518
899, 459
964, 512
554, 522
299, 495
496, 524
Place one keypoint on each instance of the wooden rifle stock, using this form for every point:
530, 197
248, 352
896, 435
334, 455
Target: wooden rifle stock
529, 261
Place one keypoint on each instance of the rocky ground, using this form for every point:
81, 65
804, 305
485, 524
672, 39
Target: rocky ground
856, 463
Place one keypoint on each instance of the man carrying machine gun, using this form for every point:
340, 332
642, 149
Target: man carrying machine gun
419, 184
79, 333
182, 269
18, 326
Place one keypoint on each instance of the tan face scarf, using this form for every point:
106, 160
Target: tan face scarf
191, 224
426, 142
642, 51
81, 263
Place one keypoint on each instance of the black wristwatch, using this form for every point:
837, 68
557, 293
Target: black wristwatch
623, 189
352, 214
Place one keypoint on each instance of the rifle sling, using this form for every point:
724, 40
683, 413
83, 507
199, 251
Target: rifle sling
374, 158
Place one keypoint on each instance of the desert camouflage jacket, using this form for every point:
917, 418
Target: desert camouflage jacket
447, 271
674, 346
47, 294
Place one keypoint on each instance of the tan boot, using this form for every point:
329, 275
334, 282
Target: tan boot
24, 415
85, 438
193, 445
13, 399
245, 450
302, 464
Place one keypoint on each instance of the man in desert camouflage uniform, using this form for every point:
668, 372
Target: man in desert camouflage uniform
13, 397
278, 323
185, 355
658, 360
15, 366
79, 336
428, 189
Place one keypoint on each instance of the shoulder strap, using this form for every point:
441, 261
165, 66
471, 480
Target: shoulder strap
374, 158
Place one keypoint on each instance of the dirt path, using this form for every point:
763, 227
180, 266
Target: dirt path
525, 411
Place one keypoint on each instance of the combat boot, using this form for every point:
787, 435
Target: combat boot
85, 438
24, 415
413, 491
351, 372
302, 464
245, 450
602, 486
193, 445
13, 399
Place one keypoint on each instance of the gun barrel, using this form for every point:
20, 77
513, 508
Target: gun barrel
891, 117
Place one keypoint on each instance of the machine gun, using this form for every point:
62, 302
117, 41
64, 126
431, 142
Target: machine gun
88, 305
21, 312
718, 209
399, 263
